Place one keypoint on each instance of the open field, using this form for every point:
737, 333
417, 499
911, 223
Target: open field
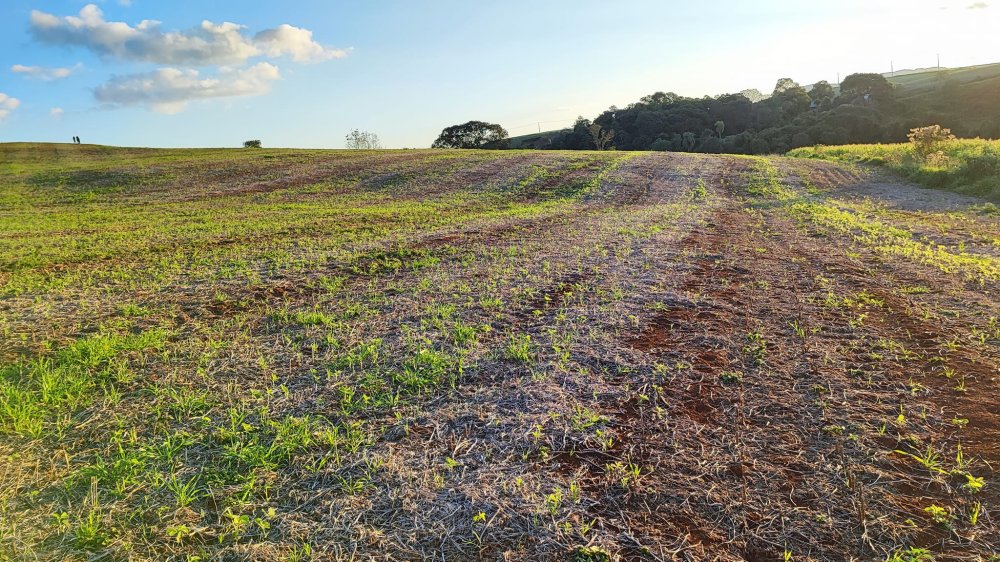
970, 166
460, 355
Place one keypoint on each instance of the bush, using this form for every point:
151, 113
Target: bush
983, 165
928, 140
251, 144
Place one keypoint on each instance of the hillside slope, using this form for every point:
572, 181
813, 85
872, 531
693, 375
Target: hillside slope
461, 355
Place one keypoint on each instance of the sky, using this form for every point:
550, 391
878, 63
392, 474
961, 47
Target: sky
303, 73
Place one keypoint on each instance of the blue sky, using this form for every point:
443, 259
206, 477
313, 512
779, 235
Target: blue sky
303, 73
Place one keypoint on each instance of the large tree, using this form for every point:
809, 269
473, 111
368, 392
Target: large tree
821, 92
875, 86
474, 134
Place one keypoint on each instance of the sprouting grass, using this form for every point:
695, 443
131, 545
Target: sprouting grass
274, 354
970, 166
894, 241
41, 392
172, 306
863, 222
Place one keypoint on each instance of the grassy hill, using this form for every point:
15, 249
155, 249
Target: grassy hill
909, 83
289, 355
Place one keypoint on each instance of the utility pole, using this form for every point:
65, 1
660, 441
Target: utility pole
892, 69
939, 61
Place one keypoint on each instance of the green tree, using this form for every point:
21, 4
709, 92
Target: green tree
821, 92
720, 127
474, 134
783, 85
601, 136
857, 86
753, 94
790, 98
688, 139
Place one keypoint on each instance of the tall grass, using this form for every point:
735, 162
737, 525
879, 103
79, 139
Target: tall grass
969, 166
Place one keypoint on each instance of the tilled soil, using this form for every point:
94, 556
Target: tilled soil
668, 366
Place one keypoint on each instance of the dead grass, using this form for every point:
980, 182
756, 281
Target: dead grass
406, 355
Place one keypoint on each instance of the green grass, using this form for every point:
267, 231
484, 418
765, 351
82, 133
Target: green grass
969, 166
288, 355
169, 314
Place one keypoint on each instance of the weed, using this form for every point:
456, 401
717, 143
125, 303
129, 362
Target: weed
940, 515
520, 348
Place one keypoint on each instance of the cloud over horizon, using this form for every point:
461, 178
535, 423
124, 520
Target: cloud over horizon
167, 90
7, 105
209, 44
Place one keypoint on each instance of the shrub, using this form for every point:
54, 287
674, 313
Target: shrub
983, 165
251, 144
928, 140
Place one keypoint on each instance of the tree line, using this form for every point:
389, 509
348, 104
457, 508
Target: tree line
867, 109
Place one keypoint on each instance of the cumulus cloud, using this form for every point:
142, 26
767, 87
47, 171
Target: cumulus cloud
44, 73
208, 44
7, 105
167, 90
56, 112
294, 42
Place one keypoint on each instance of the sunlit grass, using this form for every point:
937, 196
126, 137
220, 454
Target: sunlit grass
970, 166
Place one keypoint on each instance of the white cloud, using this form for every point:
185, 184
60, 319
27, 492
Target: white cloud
56, 112
7, 105
167, 90
44, 73
205, 45
294, 42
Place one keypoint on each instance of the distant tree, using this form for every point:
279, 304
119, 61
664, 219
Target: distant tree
688, 140
783, 85
602, 137
659, 99
754, 95
790, 98
720, 127
821, 92
474, 134
362, 140
660, 145
801, 139
251, 144
858, 85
